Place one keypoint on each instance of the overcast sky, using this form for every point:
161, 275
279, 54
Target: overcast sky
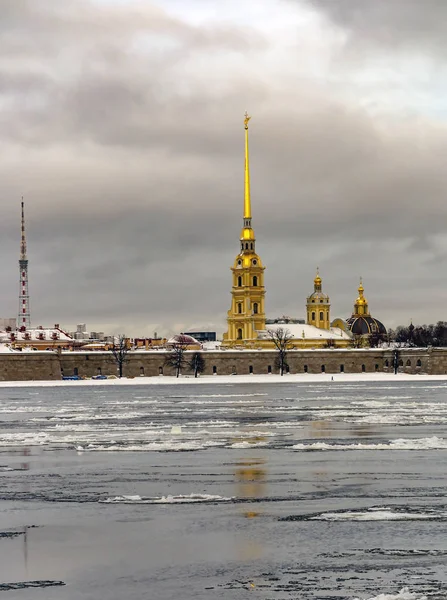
121, 122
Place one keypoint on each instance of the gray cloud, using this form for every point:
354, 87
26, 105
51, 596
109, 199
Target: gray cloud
409, 26
122, 128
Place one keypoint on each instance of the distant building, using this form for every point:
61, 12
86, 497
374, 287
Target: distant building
149, 343
203, 336
83, 334
8, 324
284, 320
41, 338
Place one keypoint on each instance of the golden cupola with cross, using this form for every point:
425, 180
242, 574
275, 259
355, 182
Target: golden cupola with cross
361, 322
246, 316
318, 306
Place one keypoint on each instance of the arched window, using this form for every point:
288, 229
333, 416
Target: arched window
363, 368
342, 368
323, 368
255, 281
269, 369
419, 363
321, 316
313, 316
75, 371
246, 246
99, 371
306, 369
239, 281
376, 367
214, 370
387, 363
141, 371
239, 307
239, 334
255, 308
401, 363
251, 246
250, 369
160, 370
408, 363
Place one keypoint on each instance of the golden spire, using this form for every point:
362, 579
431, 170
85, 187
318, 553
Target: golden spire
317, 280
361, 304
247, 202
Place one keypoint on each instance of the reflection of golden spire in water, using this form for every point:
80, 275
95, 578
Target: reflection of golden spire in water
251, 481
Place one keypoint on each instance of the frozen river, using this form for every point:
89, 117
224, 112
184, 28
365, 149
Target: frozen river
275, 491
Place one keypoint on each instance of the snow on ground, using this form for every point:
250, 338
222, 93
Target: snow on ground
234, 379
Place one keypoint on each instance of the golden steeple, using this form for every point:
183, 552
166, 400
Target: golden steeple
317, 281
361, 304
246, 316
247, 232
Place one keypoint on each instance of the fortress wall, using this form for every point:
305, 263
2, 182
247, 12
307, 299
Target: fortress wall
29, 366
50, 365
227, 362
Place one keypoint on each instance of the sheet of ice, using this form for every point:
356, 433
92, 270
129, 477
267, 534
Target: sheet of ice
169, 499
431, 443
377, 514
404, 594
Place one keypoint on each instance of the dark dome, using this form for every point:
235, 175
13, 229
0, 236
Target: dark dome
364, 325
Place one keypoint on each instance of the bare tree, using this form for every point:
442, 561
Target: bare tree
282, 338
197, 363
119, 349
175, 357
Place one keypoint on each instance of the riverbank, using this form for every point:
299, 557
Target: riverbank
233, 379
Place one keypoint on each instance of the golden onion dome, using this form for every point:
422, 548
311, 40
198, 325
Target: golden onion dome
361, 299
247, 233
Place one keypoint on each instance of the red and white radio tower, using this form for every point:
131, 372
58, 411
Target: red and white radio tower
24, 311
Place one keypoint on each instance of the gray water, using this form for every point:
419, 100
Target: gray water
289, 491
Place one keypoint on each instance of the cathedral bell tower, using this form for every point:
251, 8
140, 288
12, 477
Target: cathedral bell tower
318, 306
246, 316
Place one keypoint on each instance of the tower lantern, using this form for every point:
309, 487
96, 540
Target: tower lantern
318, 306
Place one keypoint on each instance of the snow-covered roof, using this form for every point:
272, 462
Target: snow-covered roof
309, 332
5, 348
184, 339
5, 336
211, 345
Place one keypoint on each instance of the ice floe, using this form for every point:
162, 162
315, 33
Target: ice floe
430, 443
169, 499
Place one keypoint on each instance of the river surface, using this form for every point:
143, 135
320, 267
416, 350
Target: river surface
322, 491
